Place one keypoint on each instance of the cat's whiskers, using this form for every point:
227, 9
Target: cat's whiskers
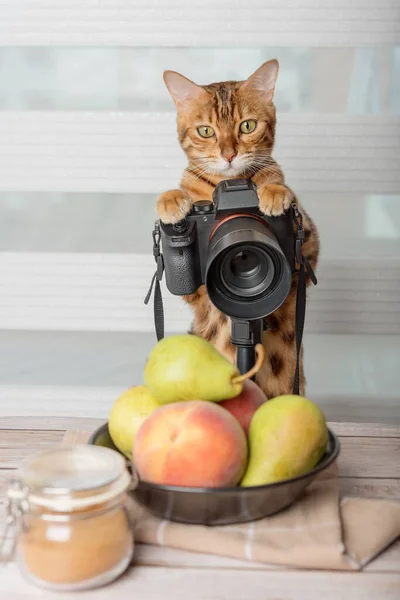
204, 167
264, 162
211, 168
197, 172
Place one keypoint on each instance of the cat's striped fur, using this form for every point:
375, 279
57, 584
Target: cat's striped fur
229, 153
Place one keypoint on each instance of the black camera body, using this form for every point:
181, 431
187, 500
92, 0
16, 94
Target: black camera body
245, 259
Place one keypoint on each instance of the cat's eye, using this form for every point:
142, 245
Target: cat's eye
205, 131
248, 126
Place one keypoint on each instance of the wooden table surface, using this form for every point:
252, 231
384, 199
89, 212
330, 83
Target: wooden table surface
369, 466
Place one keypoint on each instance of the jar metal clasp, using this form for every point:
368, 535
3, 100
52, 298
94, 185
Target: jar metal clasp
17, 506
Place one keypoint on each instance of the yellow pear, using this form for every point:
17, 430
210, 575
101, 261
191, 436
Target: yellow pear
128, 413
187, 367
287, 438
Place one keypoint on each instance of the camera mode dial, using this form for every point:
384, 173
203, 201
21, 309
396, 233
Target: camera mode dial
203, 207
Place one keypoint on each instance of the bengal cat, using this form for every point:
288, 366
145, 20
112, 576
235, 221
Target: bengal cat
227, 130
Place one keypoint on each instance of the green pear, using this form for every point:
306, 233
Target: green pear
187, 367
287, 438
128, 413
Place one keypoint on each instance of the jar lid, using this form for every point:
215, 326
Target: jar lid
74, 477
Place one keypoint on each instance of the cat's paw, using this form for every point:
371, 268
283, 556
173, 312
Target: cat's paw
173, 206
274, 199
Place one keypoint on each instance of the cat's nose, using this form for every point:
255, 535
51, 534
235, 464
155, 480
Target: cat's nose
229, 156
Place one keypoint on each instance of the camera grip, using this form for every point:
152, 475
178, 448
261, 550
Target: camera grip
182, 273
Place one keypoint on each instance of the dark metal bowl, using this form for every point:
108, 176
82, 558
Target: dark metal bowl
221, 506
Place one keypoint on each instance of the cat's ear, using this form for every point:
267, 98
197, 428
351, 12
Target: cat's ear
264, 79
183, 91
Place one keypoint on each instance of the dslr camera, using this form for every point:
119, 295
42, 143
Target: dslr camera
245, 259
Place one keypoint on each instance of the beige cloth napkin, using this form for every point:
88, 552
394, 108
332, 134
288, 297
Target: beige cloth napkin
319, 531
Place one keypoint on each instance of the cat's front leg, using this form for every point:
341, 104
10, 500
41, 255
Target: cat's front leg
173, 206
274, 199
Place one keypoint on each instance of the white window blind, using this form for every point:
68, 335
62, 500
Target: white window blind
88, 140
138, 152
200, 22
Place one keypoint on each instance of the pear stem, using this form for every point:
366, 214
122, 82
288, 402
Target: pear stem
259, 348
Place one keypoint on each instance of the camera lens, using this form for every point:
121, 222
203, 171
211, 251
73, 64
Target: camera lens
245, 263
247, 273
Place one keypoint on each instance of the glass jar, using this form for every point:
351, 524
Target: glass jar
73, 530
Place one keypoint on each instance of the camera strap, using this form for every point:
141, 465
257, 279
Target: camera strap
304, 266
156, 284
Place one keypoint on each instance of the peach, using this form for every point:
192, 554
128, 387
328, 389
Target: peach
245, 405
193, 444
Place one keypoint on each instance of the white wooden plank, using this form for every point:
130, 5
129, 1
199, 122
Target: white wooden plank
364, 430
388, 489
30, 437
105, 292
156, 557
161, 23
55, 423
371, 488
218, 584
139, 152
359, 457
365, 457
59, 423
389, 560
